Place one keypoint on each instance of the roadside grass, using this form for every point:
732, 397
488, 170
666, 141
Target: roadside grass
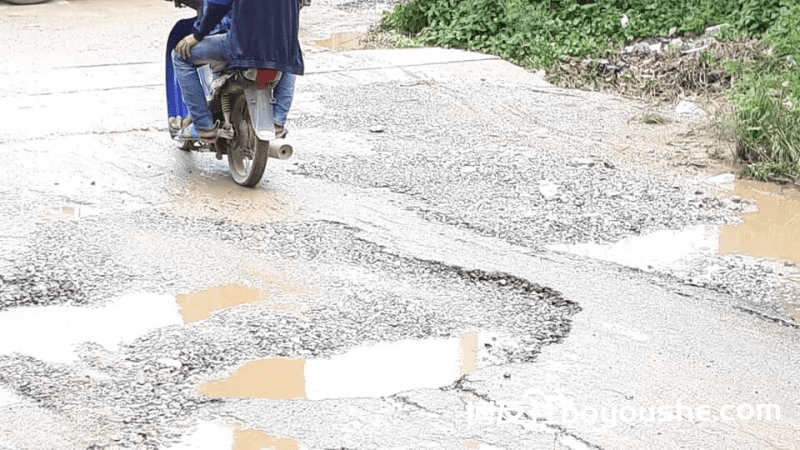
654, 119
536, 34
765, 122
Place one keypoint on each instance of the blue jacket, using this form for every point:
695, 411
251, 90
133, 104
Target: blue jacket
263, 33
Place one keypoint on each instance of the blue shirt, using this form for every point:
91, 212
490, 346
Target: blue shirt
260, 33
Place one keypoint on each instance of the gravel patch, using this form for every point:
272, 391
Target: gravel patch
500, 173
543, 169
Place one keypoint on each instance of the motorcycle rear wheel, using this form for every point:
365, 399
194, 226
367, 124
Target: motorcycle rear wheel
247, 154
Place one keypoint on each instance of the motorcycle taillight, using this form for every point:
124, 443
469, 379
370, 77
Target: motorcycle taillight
265, 77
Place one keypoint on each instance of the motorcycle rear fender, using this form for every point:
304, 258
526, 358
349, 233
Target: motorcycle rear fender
259, 103
175, 104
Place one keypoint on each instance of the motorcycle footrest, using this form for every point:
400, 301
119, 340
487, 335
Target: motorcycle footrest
225, 133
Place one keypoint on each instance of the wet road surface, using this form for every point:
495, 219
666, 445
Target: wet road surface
372, 292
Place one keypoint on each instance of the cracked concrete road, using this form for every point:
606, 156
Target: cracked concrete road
148, 302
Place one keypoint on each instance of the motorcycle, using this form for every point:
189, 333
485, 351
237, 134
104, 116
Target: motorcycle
241, 100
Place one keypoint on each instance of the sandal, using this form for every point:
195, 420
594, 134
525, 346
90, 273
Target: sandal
177, 123
191, 133
280, 131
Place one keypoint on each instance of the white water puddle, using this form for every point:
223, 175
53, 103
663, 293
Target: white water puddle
659, 250
52, 333
7, 397
371, 371
207, 436
385, 369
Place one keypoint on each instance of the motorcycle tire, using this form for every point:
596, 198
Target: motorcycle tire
247, 154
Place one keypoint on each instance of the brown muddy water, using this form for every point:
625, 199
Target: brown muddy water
202, 304
769, 233
209, 192
773, 232
259, 440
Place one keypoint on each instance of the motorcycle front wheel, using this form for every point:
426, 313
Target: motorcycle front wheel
247, 154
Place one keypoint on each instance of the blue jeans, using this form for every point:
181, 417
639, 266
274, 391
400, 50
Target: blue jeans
212, 49
283, 94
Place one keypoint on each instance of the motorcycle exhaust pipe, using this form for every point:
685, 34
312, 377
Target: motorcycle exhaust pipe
279, 149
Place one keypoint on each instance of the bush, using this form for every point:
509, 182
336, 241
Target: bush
784, 35
538, 33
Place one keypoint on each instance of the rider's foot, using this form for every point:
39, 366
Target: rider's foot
177, 123
191, 133
280, 131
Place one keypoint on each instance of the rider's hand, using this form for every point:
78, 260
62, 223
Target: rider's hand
184, 47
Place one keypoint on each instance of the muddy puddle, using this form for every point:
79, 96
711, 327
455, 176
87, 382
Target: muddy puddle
768, 233
232, 436
216, 195
371, 371
54, 333
772, 231
344, 41
202, 304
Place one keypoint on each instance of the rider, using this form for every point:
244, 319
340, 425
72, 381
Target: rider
263, 34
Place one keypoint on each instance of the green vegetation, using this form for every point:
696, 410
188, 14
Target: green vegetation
766, 118
537, 33
766, 96
653, 119
765, 91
